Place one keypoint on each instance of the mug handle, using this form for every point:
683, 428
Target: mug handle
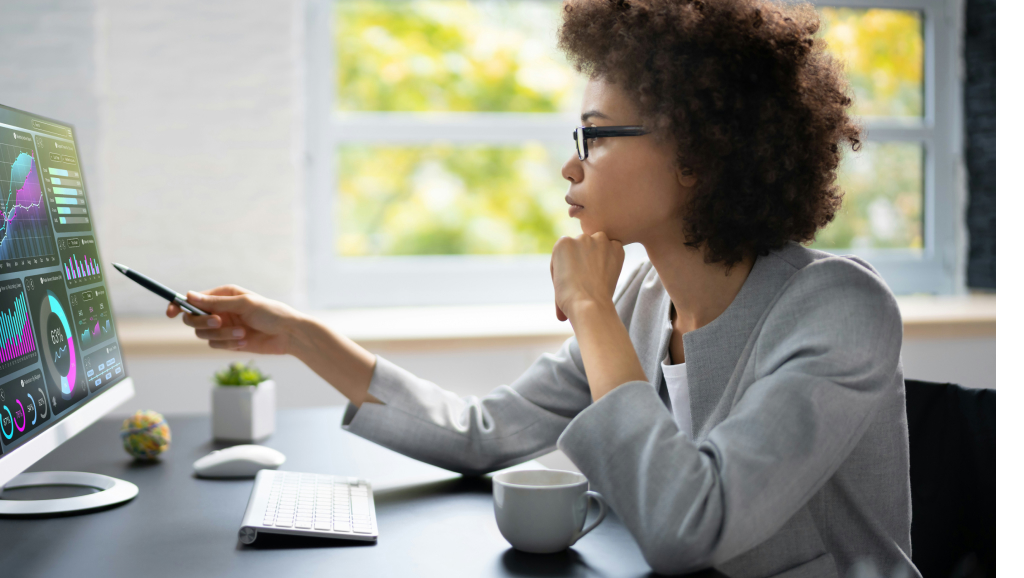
602, 511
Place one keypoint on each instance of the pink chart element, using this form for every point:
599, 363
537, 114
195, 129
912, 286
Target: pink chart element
16, 337
24, 418
75, 269
24, 231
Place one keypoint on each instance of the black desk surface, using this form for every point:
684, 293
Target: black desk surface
431, 522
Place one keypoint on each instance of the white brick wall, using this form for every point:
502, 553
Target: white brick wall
200, 103
189, 116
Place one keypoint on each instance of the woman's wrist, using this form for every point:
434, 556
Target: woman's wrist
299, 328
580, 310
343, 363
608, 354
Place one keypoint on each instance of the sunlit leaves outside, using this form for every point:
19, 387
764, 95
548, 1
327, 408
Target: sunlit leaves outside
452, 55
884, 55
882, 205
419, 200
485, 56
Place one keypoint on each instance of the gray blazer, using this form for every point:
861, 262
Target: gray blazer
797, 464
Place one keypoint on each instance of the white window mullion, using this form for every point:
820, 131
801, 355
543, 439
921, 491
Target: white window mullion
401, 128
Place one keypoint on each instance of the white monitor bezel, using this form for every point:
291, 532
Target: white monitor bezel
95, 407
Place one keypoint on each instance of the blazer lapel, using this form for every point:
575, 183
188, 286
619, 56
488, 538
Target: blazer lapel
716, 354
648, 329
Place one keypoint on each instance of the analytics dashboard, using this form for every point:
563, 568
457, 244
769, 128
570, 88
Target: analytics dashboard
58, 343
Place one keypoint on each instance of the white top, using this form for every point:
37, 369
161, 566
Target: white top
679, 393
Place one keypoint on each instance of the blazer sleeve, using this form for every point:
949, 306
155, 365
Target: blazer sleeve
827, 355
470, 435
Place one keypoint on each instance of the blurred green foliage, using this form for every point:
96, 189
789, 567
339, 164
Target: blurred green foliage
882, 188
489, 56
239, 373
451, 200
884, 55
451, 55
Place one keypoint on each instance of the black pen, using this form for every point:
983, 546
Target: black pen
160, 289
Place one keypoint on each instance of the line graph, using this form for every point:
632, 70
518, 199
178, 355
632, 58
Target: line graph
91, 314
25, 231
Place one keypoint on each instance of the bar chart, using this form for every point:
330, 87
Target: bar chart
78, 260
77, 269
17, 341
65, 189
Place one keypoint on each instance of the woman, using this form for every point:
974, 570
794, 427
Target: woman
740, 400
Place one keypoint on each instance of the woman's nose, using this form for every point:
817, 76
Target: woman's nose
572, 170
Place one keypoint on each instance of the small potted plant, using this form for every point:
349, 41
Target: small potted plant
243, 404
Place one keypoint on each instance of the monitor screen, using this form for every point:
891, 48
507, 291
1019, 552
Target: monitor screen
58, 342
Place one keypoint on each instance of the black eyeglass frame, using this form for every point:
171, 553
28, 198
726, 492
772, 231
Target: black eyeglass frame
589, 132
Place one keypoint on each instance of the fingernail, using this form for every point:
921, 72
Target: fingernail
241, 343
238, 332
212, 322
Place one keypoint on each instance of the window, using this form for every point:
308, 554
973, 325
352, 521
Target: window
437, 129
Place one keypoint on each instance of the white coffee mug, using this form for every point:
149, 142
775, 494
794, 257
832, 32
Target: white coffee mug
543, 511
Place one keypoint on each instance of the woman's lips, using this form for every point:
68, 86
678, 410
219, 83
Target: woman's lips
574, 209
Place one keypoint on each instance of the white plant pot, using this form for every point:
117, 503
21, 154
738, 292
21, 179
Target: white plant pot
244, 412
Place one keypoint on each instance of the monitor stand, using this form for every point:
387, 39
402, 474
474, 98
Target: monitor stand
111, 491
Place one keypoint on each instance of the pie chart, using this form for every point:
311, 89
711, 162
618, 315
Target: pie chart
58, 345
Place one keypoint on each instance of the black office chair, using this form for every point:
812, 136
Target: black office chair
952, 479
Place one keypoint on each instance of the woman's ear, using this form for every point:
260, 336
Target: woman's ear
686, 177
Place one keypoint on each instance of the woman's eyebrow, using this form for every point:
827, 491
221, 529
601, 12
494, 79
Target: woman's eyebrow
590, 113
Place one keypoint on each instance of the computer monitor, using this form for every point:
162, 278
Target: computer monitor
60, 360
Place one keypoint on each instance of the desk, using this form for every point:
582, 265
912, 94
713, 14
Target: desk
431, 522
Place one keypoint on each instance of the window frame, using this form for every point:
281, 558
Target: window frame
349, 282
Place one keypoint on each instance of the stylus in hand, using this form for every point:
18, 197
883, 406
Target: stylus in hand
160, 289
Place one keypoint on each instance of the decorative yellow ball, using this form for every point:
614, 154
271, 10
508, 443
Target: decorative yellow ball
146, 435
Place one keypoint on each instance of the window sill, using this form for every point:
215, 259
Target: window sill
476, 326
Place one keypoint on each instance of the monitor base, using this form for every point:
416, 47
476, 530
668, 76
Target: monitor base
112, 491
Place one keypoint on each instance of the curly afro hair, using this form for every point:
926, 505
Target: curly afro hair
755, 106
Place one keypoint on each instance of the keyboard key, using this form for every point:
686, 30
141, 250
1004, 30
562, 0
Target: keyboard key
304, 524
321, 525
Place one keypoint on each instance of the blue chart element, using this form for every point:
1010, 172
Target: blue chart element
3, 421
50, 305
24, 224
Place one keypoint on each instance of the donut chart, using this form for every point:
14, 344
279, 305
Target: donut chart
5, 421
20, 410
58, 344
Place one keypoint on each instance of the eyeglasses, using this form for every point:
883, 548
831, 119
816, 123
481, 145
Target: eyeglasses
584, 133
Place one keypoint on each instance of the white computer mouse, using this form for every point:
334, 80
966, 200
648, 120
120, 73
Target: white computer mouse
241, 461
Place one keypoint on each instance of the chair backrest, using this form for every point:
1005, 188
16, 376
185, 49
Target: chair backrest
952, 479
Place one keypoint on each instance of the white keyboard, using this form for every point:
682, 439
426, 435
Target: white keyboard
309, 505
